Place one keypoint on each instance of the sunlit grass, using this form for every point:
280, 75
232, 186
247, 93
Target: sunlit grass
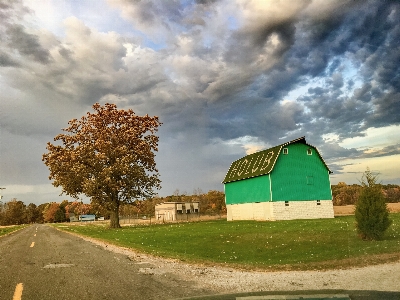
296, 244
8, 229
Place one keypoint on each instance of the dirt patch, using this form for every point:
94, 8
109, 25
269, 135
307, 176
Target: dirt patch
346, 210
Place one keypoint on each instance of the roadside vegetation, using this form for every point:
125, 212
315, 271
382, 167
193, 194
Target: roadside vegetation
9, 229
281, 245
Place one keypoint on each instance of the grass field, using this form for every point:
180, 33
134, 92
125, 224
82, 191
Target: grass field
8, 229
292, 245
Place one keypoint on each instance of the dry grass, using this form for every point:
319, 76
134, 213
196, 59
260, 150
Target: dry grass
347, 210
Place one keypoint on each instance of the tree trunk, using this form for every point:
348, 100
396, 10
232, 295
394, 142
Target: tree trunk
114, 218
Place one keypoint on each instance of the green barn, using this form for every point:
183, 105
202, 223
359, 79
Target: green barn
288, 181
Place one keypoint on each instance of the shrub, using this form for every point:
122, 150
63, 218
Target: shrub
371, 214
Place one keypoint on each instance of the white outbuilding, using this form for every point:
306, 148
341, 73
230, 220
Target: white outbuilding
175, 211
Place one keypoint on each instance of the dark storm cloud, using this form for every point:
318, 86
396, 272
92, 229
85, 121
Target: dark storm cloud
308, 51
217, 73
10, 9
262, 61
304, 51
363, 93
348, 31
27, 44
206, 2
386, 110
148, 12
246, 44
7, 61
66, 53
167, 15
14, 34
318, 91
334, 150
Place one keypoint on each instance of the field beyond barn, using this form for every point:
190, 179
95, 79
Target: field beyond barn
347, 210
281, 245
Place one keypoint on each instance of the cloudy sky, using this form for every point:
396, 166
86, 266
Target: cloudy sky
225, 77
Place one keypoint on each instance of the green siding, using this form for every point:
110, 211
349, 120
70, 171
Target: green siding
298, 176
250, 190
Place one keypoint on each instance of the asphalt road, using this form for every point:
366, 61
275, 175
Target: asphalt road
40, 262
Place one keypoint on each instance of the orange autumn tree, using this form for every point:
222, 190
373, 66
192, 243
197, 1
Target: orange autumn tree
49, 213
109, 156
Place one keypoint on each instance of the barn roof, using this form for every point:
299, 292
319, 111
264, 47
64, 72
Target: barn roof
261, 163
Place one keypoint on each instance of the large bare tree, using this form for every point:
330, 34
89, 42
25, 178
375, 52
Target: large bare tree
108, 156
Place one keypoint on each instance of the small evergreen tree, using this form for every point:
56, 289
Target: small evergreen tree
371, 213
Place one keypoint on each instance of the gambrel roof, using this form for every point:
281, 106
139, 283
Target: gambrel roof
261, 163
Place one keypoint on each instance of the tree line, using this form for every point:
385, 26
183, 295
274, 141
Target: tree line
344, 194
211, 203
17, 212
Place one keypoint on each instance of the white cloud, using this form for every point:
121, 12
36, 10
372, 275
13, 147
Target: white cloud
250, 144
374, 138
330, 137
387, 167
49, 14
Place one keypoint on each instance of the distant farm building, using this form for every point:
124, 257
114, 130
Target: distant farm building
288, 181
87, 218
72, 217
175, 211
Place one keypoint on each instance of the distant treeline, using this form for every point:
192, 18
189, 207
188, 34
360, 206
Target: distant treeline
344, 194
16, 212
211, 203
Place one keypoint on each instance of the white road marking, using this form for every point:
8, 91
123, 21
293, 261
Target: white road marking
33, 244
18, 291
34, 234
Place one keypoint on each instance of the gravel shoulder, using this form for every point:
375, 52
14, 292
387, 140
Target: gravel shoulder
384, 277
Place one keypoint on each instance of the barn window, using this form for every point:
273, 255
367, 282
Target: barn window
286, 203
310, 180
309, 151
285, 150
318, 202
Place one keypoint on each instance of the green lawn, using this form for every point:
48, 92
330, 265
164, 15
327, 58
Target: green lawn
296, 244
8, 229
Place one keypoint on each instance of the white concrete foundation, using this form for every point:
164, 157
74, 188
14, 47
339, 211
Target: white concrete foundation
280, 210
